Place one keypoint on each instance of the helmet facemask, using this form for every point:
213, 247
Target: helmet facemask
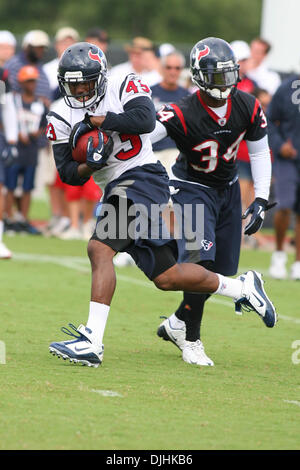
218, 82
97, 88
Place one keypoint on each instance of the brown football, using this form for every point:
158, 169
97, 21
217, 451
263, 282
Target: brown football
79, 152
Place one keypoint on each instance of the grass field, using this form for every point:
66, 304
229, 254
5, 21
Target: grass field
143, 396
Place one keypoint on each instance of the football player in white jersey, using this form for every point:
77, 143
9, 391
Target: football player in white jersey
132, 181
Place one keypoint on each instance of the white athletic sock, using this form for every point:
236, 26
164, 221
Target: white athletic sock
229, 287
98, 315
175, 322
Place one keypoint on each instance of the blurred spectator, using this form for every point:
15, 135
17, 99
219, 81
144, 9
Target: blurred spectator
186, 81
142, 61
284, 124
31, 112
59, 220
34, 45
257, 69
263, 97
8, 151
99, 37
166, 49
81, 203
7, 46
168, 91
64, 38
242, 53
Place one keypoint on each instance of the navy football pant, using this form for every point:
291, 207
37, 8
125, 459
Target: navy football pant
220, 249
222, 224
146, 186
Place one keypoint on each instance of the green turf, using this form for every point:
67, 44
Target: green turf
241, 403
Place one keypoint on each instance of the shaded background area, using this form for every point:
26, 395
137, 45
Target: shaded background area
182, 22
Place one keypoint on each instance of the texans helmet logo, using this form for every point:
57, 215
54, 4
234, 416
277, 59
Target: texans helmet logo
203, 53
95, 57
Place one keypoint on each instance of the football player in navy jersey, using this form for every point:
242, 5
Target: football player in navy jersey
208, 127
130, 177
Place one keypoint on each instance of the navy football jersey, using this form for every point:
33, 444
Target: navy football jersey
208, 144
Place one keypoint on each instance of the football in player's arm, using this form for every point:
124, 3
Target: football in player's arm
128, 173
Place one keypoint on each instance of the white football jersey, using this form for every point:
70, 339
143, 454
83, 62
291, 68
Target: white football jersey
129, 151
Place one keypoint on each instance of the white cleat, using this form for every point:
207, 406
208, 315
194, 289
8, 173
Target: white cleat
168, 333
4, 252
295, 271
277, 268
255, 298
193, 353
82, 350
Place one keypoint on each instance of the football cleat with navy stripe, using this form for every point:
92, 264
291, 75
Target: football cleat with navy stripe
255, 298
80, 350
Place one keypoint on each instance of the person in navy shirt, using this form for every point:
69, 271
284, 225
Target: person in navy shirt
284, 121
34, 45
165, 92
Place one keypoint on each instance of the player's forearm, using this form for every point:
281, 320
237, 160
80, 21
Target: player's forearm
261, 167
69, 171
138, 118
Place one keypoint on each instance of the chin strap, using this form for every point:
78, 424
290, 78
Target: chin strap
218, 94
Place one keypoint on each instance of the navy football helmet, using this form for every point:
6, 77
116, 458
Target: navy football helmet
82, 62
214, 68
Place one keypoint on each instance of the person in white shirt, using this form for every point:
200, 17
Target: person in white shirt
141, 60
257, 67
7, 46
64, 38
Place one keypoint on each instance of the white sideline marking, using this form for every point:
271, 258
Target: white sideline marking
81, 264
107, 393
294, 320
292, 402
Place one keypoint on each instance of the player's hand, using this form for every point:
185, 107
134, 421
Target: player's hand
96, 157
9, 155
257, 209
80, 128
